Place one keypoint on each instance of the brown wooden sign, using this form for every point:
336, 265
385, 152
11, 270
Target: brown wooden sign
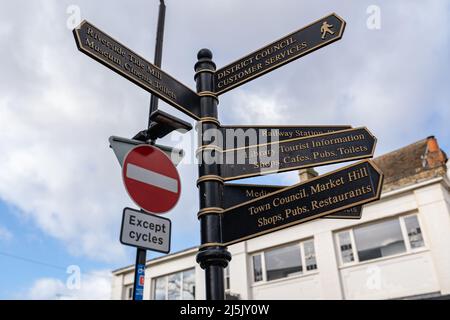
234, 194
294, 154
289, 48
354, 185
117, 57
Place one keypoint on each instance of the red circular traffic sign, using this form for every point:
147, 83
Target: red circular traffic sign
151, 179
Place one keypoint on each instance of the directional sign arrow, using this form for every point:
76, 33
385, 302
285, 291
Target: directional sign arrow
234, 194
293, 154
345, 188
117, 57
245, 136
289, 48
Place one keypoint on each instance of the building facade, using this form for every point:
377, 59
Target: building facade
399, 249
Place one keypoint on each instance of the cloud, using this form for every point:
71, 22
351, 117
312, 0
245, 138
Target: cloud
5, 234
259, 107
57, 111
94, 286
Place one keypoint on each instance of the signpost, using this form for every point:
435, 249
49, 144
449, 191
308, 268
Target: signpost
345, 188
117, 57
293, 154
145, 231
151, 179
226, 217
289, 48
235, 194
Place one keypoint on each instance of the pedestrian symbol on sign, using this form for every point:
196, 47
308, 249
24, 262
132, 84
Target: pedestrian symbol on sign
326, 29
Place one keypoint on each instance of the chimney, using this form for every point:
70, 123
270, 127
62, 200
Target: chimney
307, 174
434, 155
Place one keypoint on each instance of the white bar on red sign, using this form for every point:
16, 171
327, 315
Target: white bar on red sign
152, 178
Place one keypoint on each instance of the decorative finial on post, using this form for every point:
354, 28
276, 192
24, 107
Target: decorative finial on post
204, 54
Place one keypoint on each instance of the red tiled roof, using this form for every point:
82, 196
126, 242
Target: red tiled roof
411, 164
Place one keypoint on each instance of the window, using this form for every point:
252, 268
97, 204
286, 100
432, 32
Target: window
177, 286
345, 245
160, 288
174, 287
257, 268
227, 278
310, 255
189, 285
414, 233
128, 293
380, 239
285, 261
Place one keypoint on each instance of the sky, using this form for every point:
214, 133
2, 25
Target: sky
61, 193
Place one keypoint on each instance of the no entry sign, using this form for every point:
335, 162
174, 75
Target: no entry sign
151, 179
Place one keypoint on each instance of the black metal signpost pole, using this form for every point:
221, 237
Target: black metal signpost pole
141, 254
213, 257
158, 53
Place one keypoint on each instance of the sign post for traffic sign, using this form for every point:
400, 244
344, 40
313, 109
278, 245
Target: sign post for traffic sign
151, 179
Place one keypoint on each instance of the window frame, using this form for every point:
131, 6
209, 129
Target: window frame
303, 273
404, 233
